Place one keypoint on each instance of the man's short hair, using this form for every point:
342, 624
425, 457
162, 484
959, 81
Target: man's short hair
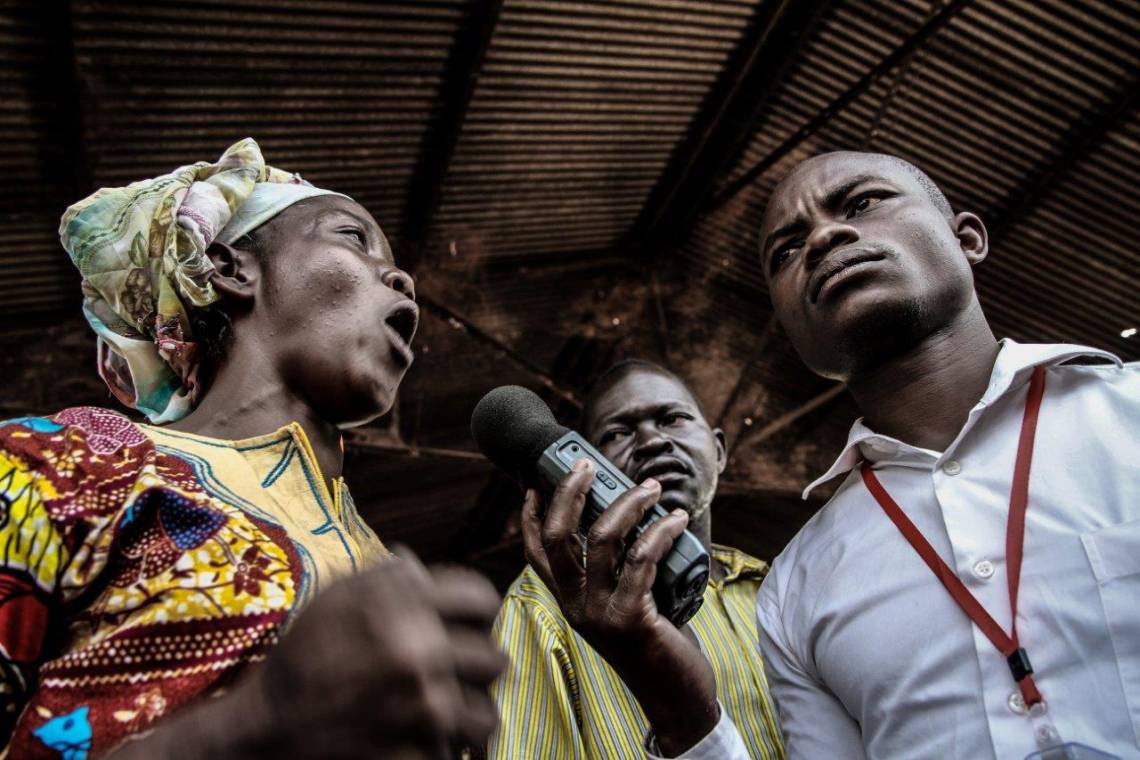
933, 191
619, 370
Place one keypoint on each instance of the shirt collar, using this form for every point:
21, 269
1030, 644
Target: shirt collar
737, 564
1010, 371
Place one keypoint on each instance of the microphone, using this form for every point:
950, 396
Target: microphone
516, 430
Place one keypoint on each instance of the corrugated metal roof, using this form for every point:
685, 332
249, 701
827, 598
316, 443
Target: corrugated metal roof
33, 163
340, 92
578, 108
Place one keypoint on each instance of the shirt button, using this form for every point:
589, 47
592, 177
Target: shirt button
1047, 735
1016, 703
952, 467
984, 569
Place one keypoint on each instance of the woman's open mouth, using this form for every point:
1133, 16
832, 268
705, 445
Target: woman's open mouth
400, 324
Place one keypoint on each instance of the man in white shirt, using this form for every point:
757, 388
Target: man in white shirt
867, 652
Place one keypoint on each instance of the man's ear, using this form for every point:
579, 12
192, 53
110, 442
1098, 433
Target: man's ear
721, 450
972, 237
236, 272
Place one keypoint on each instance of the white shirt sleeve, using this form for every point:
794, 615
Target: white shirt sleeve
722, 743
812, 721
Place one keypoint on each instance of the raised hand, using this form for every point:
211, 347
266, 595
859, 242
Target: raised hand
393, 662
604, 588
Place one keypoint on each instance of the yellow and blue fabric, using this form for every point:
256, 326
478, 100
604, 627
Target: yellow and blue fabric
141, 568
141, 250
560, 700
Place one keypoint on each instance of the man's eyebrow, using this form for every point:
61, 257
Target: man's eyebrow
836, 195
645, 410
831, 199
787, 230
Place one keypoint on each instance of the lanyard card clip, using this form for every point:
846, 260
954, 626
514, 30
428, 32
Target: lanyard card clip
1019, 664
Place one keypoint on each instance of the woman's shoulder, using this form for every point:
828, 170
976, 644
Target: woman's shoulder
105, 428
74, 455
102, 432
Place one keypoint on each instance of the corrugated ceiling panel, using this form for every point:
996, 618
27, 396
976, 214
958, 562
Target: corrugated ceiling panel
850, 39
577, 110
341, 92
37, 276
1069, 267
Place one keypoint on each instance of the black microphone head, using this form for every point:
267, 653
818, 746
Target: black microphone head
511, 426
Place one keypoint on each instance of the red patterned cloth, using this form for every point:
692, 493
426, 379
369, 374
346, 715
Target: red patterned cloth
129, 585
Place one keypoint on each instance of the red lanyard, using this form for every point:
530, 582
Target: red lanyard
1014, 538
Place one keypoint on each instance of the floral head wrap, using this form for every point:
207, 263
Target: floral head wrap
141, 250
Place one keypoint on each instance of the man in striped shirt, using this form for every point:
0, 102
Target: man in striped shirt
560, 698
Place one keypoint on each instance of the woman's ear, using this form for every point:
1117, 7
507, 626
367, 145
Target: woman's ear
236, 271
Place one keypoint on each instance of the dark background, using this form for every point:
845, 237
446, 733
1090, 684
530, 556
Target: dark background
577, 182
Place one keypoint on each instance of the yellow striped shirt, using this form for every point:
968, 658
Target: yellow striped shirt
559, 699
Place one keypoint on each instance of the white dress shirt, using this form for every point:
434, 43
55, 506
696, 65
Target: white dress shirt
869, 656
722, 742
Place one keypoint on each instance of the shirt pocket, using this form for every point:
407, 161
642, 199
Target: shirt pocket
1114, 553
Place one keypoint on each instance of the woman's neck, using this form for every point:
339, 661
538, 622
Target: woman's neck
924, 396
252, 400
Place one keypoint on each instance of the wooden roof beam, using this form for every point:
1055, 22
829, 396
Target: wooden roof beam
464, 65
723, 124
898, 56
1083, 136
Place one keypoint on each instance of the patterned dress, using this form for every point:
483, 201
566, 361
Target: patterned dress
143, 567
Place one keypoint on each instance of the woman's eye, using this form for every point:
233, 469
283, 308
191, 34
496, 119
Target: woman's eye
356, 233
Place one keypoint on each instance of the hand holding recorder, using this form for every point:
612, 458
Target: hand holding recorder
602, 556
605, 592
